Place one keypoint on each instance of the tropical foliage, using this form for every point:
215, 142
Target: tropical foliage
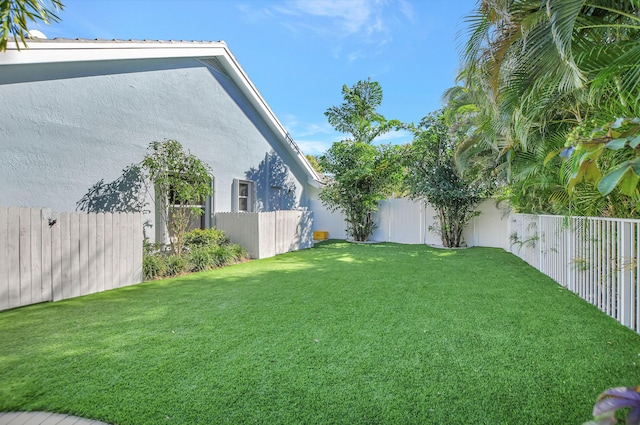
313, 161
432, 176
359, 173
542, 76
15, 16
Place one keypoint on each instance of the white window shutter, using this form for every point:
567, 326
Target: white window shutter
209, 209
235, 191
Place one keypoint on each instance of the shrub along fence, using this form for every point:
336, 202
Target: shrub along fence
266, 234
47, 256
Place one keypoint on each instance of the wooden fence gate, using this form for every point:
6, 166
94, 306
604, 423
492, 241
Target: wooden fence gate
47, 256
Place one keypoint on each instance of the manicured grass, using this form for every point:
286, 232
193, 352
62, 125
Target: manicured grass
342, 333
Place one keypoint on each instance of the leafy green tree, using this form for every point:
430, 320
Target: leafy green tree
432, 175
360, 174
181, 181
313, 160
15, 16
358, 114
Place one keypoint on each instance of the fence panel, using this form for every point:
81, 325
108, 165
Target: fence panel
401, 220
242, 229
404, 220
265, 234
596, 258
46, 256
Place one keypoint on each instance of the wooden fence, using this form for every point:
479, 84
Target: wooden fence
265, 234
47, 256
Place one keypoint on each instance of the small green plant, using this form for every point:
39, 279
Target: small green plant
153, 266
580, 264
529, 242
224, 255
205, 237
239, 253
176, 264
202, 258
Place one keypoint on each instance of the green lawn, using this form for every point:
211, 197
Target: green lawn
342, 333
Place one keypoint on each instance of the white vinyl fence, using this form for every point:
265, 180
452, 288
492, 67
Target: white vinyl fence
407, 221
47, 256
597, 258
266, 234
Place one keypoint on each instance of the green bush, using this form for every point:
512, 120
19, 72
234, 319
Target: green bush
205, 237
210, 257
153, 265
239, 253
229, 254
202, 258
207, 249
176, 265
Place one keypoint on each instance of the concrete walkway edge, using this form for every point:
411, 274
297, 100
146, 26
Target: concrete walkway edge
43, 418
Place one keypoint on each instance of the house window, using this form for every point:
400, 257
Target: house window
196, 212
178, 212
243, 197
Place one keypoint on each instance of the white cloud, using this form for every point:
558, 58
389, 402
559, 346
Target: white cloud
365, 20
348, 17
395, 137
304, 129
313, 147
312, 138
345, 24
407, 10
316, 138
252, 14
354, 56
319, 145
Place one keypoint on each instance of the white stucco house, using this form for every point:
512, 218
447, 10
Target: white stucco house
75, 114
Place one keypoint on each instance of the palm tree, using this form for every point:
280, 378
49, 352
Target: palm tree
543, 69
15, 16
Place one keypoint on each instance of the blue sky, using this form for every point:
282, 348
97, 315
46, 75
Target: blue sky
299, 53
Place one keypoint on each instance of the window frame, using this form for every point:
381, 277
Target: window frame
236, 197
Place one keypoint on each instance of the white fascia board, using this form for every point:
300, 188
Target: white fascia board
318, 184
254, 96
77, 51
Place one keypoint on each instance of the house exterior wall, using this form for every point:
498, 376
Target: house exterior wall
66, 127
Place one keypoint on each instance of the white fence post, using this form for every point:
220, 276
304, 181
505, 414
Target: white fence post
625, 270
4, 260
47, 266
